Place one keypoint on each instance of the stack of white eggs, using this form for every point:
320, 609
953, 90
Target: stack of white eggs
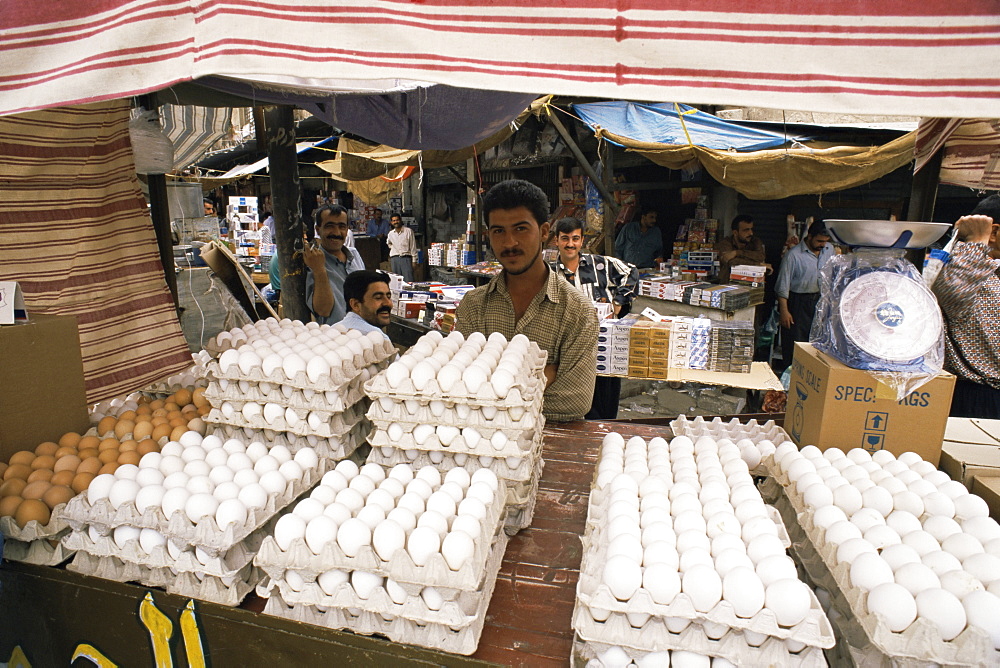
297, 383
682, 553
915, 553
402, 552
476, 402
614, 656
755, 441
189, 517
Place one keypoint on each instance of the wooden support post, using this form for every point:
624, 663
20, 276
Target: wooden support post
279, 131
609, 200
609, 215
923, 190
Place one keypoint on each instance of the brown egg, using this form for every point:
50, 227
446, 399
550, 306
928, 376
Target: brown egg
32, 510
160, 412
183, 396
198, 397
189, 410
142, 430
143, 400
63, 478
9, 504
22, 457
173, 415
88, 442
88, 453
35, 490
130, 457
40, 474
44, 462
12, 487
90, 465
129, 445
109, 455
46, 448
108, 444
65, 451
3, 467
81, 481
143, 411
147, 446
21, 471
124, 428
110, 467
204, 410
70, 439
67, 463
57, 494
171, 406
156, 404
106, 425
179, 422
162, 431
127, 415
178, 432
157, 421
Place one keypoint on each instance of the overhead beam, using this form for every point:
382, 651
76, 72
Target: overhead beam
609, 200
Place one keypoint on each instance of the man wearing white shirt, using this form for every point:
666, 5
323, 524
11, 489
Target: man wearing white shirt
402, 248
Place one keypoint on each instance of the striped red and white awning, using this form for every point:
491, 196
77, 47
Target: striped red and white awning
933, 58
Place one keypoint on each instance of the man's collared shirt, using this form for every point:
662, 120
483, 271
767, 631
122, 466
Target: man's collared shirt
563, 324
799, 270
639, 248
374, 229
603, 279
968, 291
354, 321
336, 273
751, 253
401, 242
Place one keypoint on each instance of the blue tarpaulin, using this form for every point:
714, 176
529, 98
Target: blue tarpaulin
661, 124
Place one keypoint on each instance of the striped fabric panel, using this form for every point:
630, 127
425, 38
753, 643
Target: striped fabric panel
75, 233
972, 155
934, 58
193, 130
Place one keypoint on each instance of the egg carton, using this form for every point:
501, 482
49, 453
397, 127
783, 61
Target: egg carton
335, 401
435, 573
80, 515
325, 425
32, 531
334, 447
389, 456
41, 552
221, 565
485, 433
519, 446
439, 411
520, 517
189, 378
734, 430
337, 378
593, 638
461, 640
456, 612
349, 415
921, 642
525, 391
229, 591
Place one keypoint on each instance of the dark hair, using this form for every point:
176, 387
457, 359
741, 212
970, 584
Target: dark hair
568, 225
334, 209
989, 207
647, 208
396, 215
514, 193
742, 218
817, 229
357, 282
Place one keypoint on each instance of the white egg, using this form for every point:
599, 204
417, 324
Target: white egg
457, 548
231, 511
121, 492
149, 496
288, 529
789, 599
943, 610
869, 570
150, 539
330, 580
893, 604
422, 543
199, 506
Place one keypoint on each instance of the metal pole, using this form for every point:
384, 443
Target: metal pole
609, 217
580, 158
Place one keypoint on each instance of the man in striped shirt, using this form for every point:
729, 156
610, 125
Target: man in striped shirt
968, 290
600, 279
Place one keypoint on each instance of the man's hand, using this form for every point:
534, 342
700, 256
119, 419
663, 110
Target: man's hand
974, 229
314, 259
550, 373
786, 320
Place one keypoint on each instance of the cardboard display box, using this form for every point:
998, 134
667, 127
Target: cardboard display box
988, 487
831, 405
971, 449
42, 394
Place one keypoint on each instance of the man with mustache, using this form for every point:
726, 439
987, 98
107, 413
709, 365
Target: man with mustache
367, 295
329, 264
528, 298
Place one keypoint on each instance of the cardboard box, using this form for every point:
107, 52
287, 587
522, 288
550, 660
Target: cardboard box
971, 448
42, 395
831, 405
988, 487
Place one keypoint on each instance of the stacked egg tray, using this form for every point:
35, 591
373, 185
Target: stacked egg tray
473, 398
335, 448
36, 543
755, 441
193, 376
682, 605
206, 530
830, 549
600, 655
423, 575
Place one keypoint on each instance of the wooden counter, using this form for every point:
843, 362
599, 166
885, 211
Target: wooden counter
50, 613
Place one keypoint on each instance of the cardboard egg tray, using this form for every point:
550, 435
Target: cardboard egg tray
33, 531
520, 516
80, 514
438, 411
656, 637
518, 446
734, 430
333, 401
221, 565
337, 378
525, 390
390, 456
435, 573
921, 642
334, 447
331, 425
457, 612
228, 591
41, 552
